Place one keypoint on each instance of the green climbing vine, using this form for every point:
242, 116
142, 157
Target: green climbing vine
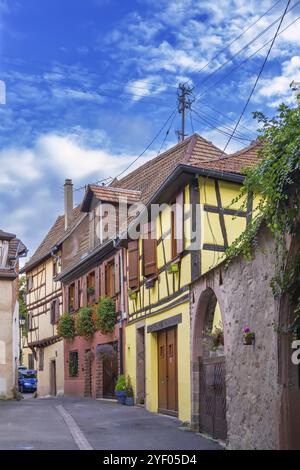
276, 183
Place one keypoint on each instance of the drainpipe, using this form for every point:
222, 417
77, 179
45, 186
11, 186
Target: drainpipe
123, 313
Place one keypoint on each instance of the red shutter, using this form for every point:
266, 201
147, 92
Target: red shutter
133, 264
66, 291
102, 280
84, 291
56, 311
117, 274
149, 253
97, 284
52, 312
76, 295
179, 234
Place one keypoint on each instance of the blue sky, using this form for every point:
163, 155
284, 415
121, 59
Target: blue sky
90, 82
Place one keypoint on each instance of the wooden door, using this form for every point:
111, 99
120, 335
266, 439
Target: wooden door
53, 378
110, 373
167, 372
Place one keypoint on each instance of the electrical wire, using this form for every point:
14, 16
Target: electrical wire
258, 76
167, 133
148, 146
213, 85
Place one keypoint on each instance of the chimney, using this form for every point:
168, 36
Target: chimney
68, 202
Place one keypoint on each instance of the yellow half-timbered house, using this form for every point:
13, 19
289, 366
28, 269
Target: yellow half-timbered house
188, 236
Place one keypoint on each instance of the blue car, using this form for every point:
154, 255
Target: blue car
27, 380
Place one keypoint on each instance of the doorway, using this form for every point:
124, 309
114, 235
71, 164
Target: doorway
53, 389
167, 371
110, 370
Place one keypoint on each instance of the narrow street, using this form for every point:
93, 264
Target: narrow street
74, 423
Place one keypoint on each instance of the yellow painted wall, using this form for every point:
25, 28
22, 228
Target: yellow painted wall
53, 352
151, 361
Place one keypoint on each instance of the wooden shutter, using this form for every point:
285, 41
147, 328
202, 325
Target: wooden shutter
117, 273
76, 302
179, 235
84, 291
52, 312
56, 311
102, 279
97, 284
30, 323
133, 264
149, 252
66, 296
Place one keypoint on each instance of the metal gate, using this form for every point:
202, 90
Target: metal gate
212, 397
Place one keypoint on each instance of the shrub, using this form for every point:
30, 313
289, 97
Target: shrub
84, 323
121, 383
65, 326
106, 315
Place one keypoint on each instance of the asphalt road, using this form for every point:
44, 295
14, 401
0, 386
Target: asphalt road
74, 423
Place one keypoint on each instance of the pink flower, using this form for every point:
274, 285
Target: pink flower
247, 329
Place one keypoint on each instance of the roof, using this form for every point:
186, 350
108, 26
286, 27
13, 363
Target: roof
54, 236
108, 194
238, 161
16, 249
148, 177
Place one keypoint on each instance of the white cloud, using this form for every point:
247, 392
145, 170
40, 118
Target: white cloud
148, 86
277, 89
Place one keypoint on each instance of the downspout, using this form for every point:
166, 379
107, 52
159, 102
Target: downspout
123, 313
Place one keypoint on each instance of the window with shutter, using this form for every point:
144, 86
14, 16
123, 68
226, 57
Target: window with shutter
177, 233
110, 279
149, 251
72, 298
133, 264
30, 321
56, 311
41, 359
117, 274
52, 312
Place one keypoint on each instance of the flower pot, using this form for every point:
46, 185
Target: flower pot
249, 340
129, 401
121, 396
174, 268
133, 295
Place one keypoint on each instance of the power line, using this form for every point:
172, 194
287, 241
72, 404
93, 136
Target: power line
214, 123
258, 76
244, 61
243, 49
167, 133
148, 146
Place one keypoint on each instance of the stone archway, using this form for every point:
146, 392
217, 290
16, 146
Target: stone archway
208, 366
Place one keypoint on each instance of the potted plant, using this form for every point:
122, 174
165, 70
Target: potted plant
66, 327
129, 393
132, 294
173, 268
120, 390
249, 336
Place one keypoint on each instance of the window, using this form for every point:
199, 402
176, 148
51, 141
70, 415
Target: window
133, 264
55, 267
149, 251
177, 235
30, 361
110, 279
30, 321
71, 291
54, 311
29, 283
91, 288
41, 359
73, 363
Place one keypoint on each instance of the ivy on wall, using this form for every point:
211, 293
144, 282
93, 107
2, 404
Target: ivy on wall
276, 179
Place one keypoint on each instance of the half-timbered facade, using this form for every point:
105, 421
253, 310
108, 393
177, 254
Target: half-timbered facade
44, 301
94, 271
11, 249
188, 237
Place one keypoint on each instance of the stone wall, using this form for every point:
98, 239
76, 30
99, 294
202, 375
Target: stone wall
253, 393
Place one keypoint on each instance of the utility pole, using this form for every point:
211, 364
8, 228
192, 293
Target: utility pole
184, 93
295, 86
